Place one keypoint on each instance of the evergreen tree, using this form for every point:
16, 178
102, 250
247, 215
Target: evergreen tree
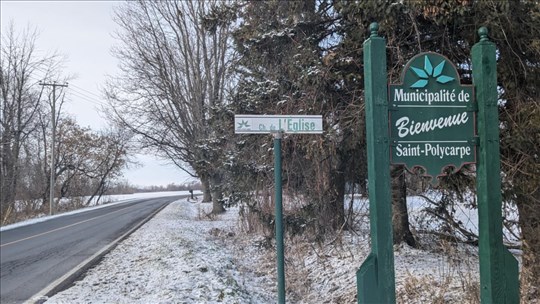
287, 67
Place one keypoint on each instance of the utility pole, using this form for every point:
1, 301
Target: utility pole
53, 106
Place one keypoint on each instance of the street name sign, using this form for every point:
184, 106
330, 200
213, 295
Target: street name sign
267, 124
432, 117
278, 124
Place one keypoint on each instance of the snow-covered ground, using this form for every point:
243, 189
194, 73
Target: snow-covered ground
184, 256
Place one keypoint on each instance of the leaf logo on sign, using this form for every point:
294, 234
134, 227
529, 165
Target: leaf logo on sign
243, 124
427, 72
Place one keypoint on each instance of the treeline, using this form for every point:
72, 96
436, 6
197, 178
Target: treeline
85, 161
124, 187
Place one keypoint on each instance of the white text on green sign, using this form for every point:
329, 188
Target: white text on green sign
432, 118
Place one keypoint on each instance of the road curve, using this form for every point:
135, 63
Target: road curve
34, 256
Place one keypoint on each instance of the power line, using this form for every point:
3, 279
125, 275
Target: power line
86, 97
79, 92
86, 91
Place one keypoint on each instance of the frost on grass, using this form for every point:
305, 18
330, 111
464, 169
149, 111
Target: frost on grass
184, 256
177, 257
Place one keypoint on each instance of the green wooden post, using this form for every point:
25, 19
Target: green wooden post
498, 267
375, 278
279, 219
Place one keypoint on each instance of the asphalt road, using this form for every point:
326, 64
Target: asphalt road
34, 256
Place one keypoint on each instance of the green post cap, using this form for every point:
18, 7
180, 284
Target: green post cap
374, 29
483, 32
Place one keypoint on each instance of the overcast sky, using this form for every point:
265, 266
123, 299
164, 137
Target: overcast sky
82, 31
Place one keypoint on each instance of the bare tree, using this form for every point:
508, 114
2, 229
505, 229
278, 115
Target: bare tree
85, 163
110, 154
20, 101
175, 70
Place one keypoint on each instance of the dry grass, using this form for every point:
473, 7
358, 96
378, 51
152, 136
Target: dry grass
530, 293
326, 272
205, 212
451, 277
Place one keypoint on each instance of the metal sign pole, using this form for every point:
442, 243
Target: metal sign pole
279, 218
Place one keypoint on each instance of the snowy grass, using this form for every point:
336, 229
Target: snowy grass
183, 256
175, 258
326, 273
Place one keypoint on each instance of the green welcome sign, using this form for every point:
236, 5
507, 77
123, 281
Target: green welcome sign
432, 117
430, 120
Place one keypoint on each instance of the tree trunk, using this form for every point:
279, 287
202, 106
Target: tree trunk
331, 210
207, 196
400, 215
337, 199
9, 174
529, 222
331, 207
217, 195
7, 196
